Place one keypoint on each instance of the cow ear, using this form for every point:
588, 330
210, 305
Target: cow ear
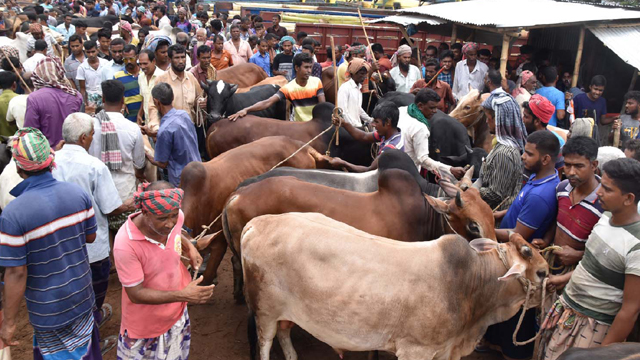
466, 182
205, 87
479, 94
437, 204
515, 270
448, 187
233, 88
481, 245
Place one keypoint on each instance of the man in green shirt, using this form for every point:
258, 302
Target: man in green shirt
8, 86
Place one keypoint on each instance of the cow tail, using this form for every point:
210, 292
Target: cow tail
227, 232
252, 335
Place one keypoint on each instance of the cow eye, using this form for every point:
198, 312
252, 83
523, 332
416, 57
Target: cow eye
541, 274
473, 228
467, 107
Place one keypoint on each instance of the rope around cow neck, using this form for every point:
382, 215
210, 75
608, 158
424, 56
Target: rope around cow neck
529, 289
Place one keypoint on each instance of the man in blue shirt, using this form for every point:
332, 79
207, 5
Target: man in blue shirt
592, 104
177, 142
530, 215
262, 58
43, 236
549, 76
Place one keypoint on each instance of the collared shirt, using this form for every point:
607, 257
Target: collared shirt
75, 165
146, 85
303, 98
280, 32
185, 93
239, 55
131, 147
203, 76
6, 128
446, 78
264, 61
17, 109
71, 65
577, 220
224, 61
535, 206
110, 70
62, 29
596, 286
464, 78
442, 89
46, 110
58, 216
177, 143
404, 83
92, 80
31, 44
394, 142
30, 64
350, 100
132, 97
164, 21
141, 260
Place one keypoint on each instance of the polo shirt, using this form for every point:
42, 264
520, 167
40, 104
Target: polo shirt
303, 98
49, 238
132, 96
577, 220
535, 206
394, 142
177, 143
141, 260
71, 65
264, 61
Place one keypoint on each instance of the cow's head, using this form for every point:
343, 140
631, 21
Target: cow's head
218, 94
467, 214
5, 152
469, 108
471, 157
522, 261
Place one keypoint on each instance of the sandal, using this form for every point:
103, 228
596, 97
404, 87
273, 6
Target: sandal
108, 343
107, 312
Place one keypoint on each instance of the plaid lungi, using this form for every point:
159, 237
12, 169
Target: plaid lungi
172, 345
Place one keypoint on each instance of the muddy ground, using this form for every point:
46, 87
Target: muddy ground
219, 330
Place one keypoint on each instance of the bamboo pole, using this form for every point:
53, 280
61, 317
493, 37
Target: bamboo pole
335, 82
454, 34
373, 58
504, 56
576, 67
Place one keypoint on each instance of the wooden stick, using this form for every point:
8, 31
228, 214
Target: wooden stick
335, 81
16, 70
435, 76
576, 67
373, 58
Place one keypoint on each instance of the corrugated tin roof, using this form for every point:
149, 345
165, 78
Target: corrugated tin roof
408, 20
621, 41
520, 13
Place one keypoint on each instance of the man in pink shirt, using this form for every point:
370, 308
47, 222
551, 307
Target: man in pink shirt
148, 248
239, 49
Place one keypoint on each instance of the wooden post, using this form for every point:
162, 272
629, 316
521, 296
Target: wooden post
576, 67
504, 56
454, 34
335, 68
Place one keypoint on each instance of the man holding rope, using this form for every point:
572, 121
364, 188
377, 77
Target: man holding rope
350, 96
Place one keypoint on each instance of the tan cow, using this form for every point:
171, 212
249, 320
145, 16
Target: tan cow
359, 292
469, 113
274, 80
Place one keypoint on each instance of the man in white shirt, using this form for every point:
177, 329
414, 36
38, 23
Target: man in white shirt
75, 165
66, 29
161, 13
415, 133
469, 72
37, 33
129, 143
40, 52
146, 81
89, 76
405, 74
350, 95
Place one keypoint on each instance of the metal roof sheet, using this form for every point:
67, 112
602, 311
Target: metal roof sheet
520, 13
408, 20
621, 41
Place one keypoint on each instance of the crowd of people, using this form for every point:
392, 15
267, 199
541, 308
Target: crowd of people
85, 131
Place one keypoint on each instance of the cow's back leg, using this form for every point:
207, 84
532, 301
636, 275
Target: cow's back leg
267, 328
218, 248
284, 338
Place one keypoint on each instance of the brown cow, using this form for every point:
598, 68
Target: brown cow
274, 80
359, 292
397, 210
207, 186
225, 135
243, 75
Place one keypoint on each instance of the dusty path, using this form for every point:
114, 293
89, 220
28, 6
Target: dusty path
219, 330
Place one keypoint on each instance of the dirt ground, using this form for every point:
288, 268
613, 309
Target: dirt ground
219, 329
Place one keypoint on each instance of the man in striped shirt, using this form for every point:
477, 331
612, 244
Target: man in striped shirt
43, 248
601, 302
129, 78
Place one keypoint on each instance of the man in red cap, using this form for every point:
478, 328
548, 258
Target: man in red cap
536, 114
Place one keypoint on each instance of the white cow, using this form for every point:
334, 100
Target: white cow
8, 180
359, 292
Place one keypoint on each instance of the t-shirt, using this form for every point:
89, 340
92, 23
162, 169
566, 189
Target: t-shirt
629, 128
394, 142
140, 260
556, 97
577, 220
284, 63
177, 143
535, 206
597, 284
582, 103
45, 228
132, 97
302, 98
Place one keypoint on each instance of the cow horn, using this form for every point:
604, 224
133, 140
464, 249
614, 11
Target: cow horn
459, 202
204, 87
526, 252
